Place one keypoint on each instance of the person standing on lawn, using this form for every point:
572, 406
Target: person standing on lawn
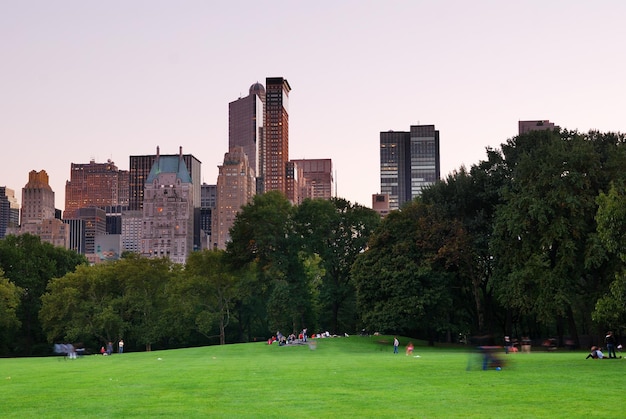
396, 343
609, 339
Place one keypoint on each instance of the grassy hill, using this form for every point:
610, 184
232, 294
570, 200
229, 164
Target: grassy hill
342, 377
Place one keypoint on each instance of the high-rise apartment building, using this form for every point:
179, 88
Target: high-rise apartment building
539, 125
275, 150
37, 198
9, 211
236, 185
97, 185
208, 203
313, 178
168, 210
245, 126
140, 167
409, 162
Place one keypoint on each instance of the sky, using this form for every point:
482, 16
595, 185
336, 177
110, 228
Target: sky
88, 79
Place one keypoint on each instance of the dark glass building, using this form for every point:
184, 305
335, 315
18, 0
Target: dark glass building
409, 162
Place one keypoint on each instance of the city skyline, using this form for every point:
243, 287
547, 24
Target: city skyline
83, 81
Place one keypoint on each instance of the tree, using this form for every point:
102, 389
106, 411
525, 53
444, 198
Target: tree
544, 240
610, 308
30, 265
403, 280
145, 301
210, 288
263, 235
471, 198
9, 302
84, 305
336, 231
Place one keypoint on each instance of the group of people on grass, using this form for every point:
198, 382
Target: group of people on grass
109, 348
302, 337
287, 340
609, 340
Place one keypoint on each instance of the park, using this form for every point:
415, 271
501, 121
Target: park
352, 376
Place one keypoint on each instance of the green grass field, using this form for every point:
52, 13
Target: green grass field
344, 377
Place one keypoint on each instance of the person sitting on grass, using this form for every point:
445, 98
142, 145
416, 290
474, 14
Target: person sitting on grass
409, 349
596, 353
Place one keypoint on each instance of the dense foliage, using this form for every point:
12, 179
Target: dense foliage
528, 242
538, 245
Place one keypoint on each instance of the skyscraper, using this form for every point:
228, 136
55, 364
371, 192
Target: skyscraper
409, 162
168, 210
37, 198
245, 126
97, 185
275, 150
236, 186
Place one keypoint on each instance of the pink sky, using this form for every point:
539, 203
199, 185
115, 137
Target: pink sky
110, 79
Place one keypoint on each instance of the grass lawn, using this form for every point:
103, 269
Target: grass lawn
344, 377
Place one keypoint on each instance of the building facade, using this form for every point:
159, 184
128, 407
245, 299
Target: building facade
49, 230
139, 170
275, 150
168, 210
77, 235
236, 186
380, 203
245, 126
132, 230
539, 125
409, 162
9, 211
95, 225
37, 198
208, 203
97, 185
314, 179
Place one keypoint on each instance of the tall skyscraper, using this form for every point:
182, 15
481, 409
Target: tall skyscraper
540, 125
409, 162
275, 150
245, 126
37, 198
9, 211
236, 185
97, 185
168, 210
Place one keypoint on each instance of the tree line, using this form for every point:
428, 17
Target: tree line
528, 242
